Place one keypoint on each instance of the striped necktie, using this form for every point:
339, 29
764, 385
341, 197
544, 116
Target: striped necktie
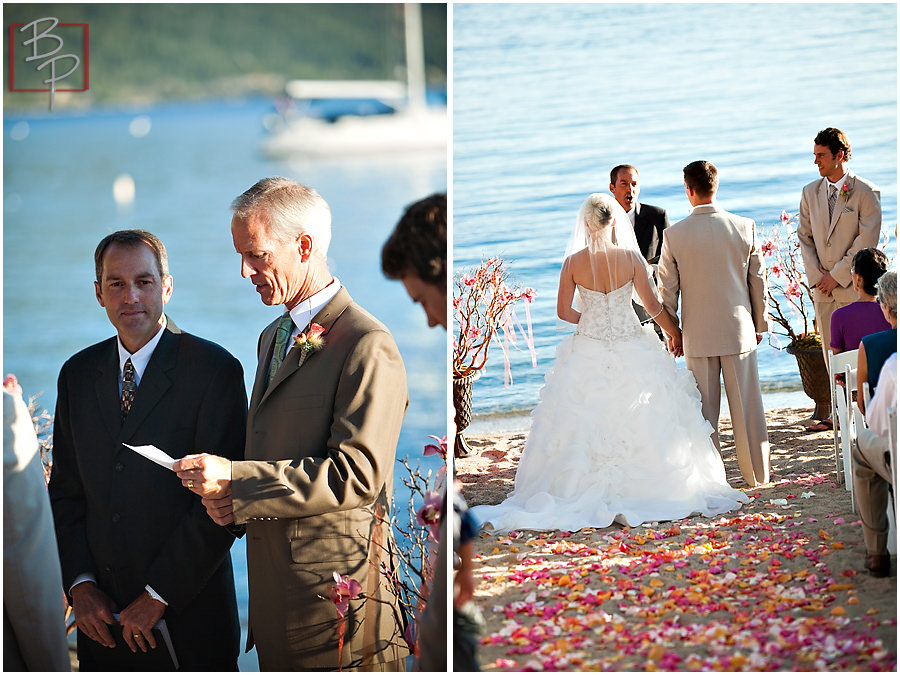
832, 200
129, 385
282, 335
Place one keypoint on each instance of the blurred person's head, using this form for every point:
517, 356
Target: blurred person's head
416, 254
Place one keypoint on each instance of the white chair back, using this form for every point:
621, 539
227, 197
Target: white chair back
836, 364
848, 433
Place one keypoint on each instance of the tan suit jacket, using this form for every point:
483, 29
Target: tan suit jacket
832, 243
315, 494
712, 260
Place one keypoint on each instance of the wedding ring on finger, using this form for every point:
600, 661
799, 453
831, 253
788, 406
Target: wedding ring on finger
136, 636
190, 483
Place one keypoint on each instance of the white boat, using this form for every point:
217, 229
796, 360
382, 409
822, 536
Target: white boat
404, 124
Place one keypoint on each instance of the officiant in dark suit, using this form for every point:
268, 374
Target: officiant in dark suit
648, 222
132, 541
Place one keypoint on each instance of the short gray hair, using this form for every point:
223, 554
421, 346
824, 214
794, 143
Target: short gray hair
887, 292
287, 209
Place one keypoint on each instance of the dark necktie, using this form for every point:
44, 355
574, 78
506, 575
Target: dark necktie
282, 335
832, 200
129, 385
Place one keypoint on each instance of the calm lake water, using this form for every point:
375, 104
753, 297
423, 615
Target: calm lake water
58, 203
547, 98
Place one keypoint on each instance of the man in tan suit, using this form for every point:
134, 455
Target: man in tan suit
840, 214
712, 260
315, 489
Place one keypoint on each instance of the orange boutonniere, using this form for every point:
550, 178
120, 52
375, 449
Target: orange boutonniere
310, 341
845, 191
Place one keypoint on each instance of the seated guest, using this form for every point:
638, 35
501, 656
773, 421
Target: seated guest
849, 324
872, 471
877, 347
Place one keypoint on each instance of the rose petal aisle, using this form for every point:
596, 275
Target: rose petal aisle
775, 586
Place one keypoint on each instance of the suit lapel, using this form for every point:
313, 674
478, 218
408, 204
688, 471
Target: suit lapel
292, 362
106, 386
264, 358
155, 382
850, 182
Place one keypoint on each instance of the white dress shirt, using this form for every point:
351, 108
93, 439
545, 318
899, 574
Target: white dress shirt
839, 184
140, 358
304, 312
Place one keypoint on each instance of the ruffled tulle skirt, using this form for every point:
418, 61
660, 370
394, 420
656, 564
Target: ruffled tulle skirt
618, 435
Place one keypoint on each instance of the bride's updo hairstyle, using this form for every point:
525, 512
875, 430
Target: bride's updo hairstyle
598, 212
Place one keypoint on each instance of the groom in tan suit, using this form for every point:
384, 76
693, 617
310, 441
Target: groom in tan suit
315, 491
712, 260
840, 214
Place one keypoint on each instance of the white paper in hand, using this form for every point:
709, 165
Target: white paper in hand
154, 454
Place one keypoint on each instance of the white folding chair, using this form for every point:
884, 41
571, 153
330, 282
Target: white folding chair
836, 363
860, 423
845, 418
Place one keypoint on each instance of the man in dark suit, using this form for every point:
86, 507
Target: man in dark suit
315, 488
132, 541
648, 221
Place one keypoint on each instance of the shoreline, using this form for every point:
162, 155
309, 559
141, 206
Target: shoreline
520, 420
778, 584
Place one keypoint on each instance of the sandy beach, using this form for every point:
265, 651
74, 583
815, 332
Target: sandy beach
777, 585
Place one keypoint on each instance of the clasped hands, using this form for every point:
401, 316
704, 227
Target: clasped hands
94, 611
676, 347
827, 283
210, 477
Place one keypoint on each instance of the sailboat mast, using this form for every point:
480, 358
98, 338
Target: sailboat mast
415, 56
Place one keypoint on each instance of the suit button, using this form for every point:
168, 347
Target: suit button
120, 466
828, 244
116, 517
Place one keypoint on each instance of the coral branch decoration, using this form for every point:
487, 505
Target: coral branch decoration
790, 297
483, 310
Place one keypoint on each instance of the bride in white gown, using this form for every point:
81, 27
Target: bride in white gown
618, 434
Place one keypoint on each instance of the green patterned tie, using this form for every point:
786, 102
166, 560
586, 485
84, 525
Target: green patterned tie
282, 335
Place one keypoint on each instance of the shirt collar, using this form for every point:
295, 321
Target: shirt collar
141, 357
632, 214
304, 312
840, 182
700, 206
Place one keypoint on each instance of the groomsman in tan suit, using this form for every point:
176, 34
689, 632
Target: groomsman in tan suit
711, 258
314, 492
840, 214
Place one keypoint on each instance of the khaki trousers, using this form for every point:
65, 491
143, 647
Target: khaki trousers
871, 477
748, 418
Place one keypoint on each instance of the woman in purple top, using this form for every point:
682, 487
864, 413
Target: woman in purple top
851, 323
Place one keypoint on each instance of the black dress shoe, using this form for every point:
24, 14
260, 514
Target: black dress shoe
878, 564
